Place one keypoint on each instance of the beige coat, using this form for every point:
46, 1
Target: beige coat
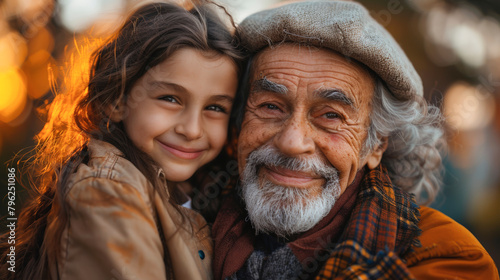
117, 228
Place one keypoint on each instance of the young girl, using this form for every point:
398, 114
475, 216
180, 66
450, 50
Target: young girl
155, 110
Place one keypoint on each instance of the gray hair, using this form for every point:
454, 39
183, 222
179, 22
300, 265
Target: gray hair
414, 131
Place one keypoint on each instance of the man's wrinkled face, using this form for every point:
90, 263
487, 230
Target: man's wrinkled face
310, 105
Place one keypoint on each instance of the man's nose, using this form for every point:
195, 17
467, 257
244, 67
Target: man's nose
189, 126
294, 138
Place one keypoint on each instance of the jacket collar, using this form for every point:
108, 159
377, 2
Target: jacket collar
99, 148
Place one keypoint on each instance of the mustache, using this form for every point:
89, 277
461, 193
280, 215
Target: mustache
270, 157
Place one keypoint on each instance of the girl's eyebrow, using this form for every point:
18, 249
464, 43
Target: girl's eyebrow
222, 98
217, 97
157, 83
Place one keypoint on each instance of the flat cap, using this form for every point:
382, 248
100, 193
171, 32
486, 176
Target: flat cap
343, 26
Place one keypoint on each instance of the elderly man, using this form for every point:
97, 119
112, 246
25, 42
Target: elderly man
335, 143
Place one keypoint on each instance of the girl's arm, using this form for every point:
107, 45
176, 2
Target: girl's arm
112, 233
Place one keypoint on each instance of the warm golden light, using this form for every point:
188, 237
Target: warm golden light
42, 40
13, 51
37, 63
13, 98
36, 70
468, 107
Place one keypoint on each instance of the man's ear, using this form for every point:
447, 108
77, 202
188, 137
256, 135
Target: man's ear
116, 111
374, 157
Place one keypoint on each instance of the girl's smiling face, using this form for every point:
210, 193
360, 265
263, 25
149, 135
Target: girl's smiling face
178, 112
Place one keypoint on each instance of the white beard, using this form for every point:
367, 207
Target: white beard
282, 210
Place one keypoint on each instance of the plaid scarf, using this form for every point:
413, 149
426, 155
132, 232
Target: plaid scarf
379, 232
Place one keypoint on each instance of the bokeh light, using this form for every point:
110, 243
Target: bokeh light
37, 64
468, 107
80, 15
468, 44
13, 98
13, 50
460, 33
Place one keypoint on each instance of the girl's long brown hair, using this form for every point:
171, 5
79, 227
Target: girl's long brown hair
148, 37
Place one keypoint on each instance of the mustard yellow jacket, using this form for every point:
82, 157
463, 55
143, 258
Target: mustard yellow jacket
118, 229
449, 251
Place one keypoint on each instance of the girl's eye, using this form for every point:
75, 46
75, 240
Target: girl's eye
217, 108
169, 98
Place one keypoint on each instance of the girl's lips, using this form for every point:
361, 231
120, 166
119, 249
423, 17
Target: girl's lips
181, 152
291, 178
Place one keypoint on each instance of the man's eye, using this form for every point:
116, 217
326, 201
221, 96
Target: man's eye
273, 110
270, 106
169, 98
217, 108
331, 115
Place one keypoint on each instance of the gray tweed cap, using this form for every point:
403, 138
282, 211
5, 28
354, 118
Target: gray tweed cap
343, 26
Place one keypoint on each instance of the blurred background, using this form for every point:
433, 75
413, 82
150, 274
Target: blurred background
454, 45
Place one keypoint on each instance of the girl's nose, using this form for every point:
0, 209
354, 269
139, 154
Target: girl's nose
189, 127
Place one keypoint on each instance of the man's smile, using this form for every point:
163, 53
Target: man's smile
286, 177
